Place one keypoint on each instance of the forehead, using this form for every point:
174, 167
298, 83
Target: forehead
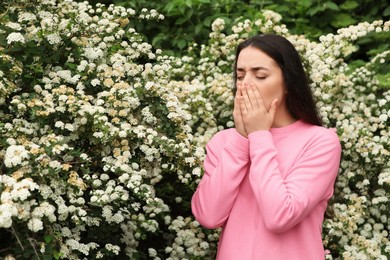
250, 57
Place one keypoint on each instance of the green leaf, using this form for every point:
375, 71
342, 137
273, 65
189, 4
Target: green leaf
198, 28
332, 6
169, 7
349, 5
315, 10
70, 65
342, 20
158, 39
188, 3
48, 239
189, 14
207, 22
384, 80
182, 9
386, 12
356, 64
181, 20
57, 255
305, 3
373, 11
182, 43
279, 8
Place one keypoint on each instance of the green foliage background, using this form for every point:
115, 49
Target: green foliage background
188, 21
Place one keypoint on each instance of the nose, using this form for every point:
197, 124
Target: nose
247, 79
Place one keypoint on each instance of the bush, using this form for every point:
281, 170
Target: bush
188, 21
103, 135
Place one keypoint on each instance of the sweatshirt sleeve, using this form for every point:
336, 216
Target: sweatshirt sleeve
284, 202
225, 167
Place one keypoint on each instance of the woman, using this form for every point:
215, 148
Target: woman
267, 181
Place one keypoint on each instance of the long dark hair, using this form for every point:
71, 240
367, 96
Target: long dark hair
299, 99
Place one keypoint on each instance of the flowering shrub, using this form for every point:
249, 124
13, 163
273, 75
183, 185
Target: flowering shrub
95, 139
102, 136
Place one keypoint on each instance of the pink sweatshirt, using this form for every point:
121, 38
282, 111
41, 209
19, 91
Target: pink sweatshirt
268, 192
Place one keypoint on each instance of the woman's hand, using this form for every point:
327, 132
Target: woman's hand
255, 115
239, 124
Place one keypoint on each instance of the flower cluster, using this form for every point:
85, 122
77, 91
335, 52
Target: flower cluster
191, 240
95, 136
102, 138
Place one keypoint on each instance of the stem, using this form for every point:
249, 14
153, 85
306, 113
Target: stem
31, 242
17, 238
6, 11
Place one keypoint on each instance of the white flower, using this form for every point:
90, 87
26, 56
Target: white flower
93, 53
197, 172
67, 76
20, 193
95, 82
59, 124
26, 16
11, 141
7, 211
84, 156
204, 245
15, 37
113, 248
218, 25
35, 224
152, 252
14, 26
15, 155
383, 118
104, 177
54, 38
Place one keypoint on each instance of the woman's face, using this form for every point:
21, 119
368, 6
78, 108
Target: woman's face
257, 68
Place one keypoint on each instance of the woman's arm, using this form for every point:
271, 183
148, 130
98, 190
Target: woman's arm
225, 167
285, 202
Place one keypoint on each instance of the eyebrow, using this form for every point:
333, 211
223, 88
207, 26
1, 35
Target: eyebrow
253, 68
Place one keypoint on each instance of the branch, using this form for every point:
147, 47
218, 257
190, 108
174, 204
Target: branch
32, 244
17, 238
6, 11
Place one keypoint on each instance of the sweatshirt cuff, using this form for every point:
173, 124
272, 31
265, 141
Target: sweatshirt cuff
239, 143
259, 138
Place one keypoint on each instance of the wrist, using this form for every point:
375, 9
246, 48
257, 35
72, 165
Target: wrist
257, 129
242, 132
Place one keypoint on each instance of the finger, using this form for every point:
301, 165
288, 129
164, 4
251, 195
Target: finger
259, 98
247, 95
246, 99
255, 96
238, 95
239, 91
242, 105
235, 104
238, 85
236, 107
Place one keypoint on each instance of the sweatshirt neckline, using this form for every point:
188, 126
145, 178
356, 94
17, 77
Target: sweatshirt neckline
287, 129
